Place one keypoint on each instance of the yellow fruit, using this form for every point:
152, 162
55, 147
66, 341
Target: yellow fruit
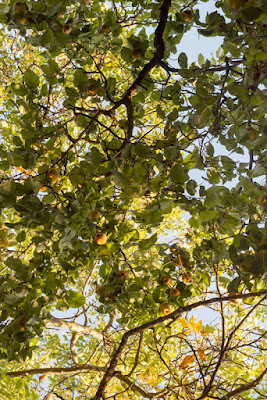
92, 89
137, 54
66, 28
186, 15
235, 4
19, 7
245, 266
43, 189
105, 28
186, 277
263, 200
95, 214
174, 292
164, 309
100, 238
23, 20
53, 175
166, 280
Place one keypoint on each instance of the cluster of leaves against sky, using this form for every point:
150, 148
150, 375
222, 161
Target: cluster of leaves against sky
132, 193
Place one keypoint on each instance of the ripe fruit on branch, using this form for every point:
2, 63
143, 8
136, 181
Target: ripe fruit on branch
21, 322
111, 297
174, 293
263, 200
186, 15
137, 53
66, 28
166, 280
95, 214
164, 309
122, 275
235, 4
92, 89
186, 277
19, 7
100, 238
53, 175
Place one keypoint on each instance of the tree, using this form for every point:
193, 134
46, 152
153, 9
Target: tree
132, 195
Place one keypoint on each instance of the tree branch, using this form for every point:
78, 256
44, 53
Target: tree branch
245, 387
79, 329
174, 315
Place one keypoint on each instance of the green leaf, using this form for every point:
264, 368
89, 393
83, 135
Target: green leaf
74, 299
182, 60
31, 79
178, 174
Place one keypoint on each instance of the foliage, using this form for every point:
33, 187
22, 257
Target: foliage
127, 173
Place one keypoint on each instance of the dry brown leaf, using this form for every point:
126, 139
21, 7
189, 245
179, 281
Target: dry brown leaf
188, 360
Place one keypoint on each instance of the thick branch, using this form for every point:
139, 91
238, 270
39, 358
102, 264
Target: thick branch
86, 368
67, 370
79, 329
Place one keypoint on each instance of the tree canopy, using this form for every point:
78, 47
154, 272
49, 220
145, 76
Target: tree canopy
133, 201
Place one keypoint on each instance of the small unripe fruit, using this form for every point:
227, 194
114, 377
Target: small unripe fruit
100, 238
105, 28
174, 292
66, 28
166, 280
245, 266
23, 20
137, 54
186, 15
164, 309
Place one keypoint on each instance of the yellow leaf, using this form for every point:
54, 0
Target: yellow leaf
192, 320
204, 333
188, 360
198, 326
201, 354
194, 325
264, 343
183, 334
184, 323
265, 361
